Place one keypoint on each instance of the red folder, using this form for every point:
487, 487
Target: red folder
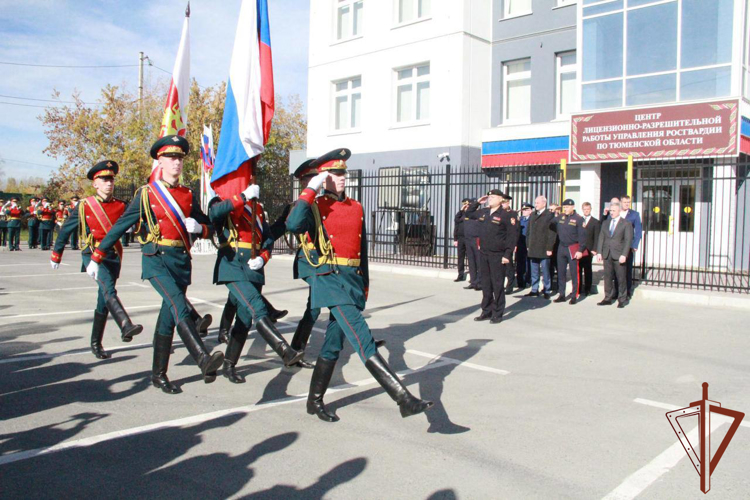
573, 249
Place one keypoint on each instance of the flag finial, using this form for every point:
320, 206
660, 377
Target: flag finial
187, 10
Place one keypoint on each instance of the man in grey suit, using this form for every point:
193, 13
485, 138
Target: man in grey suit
615, 240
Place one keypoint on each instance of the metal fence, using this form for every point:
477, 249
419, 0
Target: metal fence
409, 211
696, 223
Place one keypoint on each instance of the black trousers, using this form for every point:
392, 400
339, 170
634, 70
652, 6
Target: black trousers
585, 275
461, 247
522, 275
472, 252
493, 284
615, 280
564, 260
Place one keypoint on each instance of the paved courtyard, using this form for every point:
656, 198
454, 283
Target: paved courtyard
558, 401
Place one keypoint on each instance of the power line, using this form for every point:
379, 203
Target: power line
24, 105
69, 66
26, 162
49, 100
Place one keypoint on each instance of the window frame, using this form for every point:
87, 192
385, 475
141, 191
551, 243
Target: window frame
508, 15
415, 19
349, 93
414, 80
526, 75
558, 84
625, 77
337, 6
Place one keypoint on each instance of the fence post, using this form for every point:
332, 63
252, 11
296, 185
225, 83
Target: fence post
630, 176
564, 169
447, 223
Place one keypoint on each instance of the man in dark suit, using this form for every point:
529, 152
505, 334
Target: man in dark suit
540, 242
591, 225
458, 238
615, 242
635, 219
471, 237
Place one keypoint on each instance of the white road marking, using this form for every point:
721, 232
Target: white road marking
63, 313
48, 275
137, 284
639, 481
458, 362
35, 264
180, 422
66, 289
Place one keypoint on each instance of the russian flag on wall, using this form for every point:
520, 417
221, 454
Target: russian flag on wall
249, 105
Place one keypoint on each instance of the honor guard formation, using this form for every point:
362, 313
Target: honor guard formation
503, 248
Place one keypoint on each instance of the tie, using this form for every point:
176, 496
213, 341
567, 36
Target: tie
612, 227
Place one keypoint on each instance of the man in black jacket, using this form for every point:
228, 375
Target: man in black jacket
592, 226
458, 238
540, 242
471, 238
572, 246
498, 235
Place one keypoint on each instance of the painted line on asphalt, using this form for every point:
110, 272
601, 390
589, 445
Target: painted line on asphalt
35, 264
66, 289
639, 481
459, 362
138, 284
63, 313
196, 419
48, 275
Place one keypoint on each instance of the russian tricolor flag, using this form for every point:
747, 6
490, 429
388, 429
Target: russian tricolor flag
249, 105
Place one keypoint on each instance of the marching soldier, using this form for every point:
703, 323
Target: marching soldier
46, 215
13, 214
245, 248
33, 224
497, 239
69, 213
3, 223
169, 214
572, 236
61, 214
336, 270
93, 219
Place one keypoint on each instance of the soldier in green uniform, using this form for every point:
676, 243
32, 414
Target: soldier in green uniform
92, 219
13, 213
168, 214
46, 215
3, 224
336, 270
33, 224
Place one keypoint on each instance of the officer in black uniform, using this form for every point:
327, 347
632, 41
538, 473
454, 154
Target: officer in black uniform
458, 237
572, 237
510, 267
498, 235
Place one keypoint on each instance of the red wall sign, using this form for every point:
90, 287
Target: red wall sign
678, 131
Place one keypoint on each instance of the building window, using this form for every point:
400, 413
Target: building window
347, 110
413, 10
413, 94
349, 16
651, 51
517, 91
566, 94
514, 8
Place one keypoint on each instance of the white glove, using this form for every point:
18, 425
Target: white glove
192, 225
317, 182
256, 263
54, 264
45, 204
252, 192
93, 270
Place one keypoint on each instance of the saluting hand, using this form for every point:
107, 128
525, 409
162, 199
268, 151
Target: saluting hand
483, 200
317, 182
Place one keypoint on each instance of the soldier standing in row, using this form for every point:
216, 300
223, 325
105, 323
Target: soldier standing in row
46, 215
498, 235
93, 219
13, 214
336, 270
3, 223
33, 224
170, 214
572, 237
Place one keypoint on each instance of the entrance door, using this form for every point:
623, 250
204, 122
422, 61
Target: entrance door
671, 220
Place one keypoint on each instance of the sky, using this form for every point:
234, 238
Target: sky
113, 32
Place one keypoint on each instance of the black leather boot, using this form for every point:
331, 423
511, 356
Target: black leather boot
270, 334
227, 317
234, 351
321, 377
273, 313
201, 322
379, 343
127, 329
97, 332
208, 363
407, 403
162, 350
299, 342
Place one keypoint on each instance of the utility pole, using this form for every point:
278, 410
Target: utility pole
140, 83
